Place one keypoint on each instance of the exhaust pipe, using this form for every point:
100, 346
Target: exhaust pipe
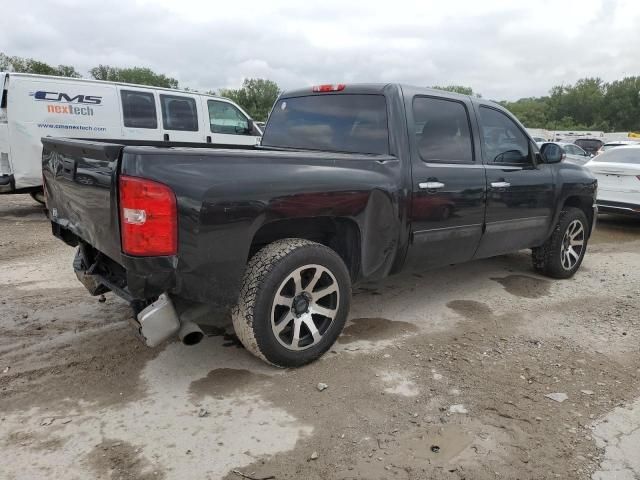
190, 333
160, 320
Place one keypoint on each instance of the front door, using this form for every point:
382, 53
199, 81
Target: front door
520, 193
228, 125
447, 203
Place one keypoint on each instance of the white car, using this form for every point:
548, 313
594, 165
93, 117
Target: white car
36, 106
618, 174
616, 144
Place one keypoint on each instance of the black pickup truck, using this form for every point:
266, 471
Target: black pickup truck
351, 183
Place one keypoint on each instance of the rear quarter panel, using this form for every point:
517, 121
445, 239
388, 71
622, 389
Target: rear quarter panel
225, 196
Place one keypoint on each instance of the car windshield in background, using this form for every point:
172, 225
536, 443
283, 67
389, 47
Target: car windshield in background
335, 123
620, 155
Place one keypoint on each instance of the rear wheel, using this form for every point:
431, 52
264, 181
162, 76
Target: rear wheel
293, 303
562, 254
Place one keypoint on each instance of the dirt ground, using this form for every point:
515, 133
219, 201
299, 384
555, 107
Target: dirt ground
439, 374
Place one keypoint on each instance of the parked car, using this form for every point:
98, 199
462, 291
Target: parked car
35, 106
615, 144
351, 183
572, 153
618, 174
589, 145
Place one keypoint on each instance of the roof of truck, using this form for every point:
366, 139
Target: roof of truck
370, 88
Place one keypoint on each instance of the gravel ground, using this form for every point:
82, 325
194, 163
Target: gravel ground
441, 374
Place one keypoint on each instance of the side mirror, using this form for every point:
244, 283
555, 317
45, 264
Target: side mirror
552, 153
253, 129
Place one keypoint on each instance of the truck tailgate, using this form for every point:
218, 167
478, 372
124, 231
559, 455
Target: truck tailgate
80, 180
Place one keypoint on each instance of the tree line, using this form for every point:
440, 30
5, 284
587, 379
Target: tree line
589, 104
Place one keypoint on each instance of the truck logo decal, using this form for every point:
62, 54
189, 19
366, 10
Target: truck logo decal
66, 98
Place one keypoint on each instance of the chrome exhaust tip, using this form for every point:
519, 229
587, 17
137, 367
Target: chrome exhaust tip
190, 333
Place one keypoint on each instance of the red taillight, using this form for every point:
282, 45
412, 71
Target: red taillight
329, 87
148, 218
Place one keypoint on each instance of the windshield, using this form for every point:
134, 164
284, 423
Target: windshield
335, 123
621, 155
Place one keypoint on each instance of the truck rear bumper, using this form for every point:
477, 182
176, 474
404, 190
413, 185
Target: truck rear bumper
131, 279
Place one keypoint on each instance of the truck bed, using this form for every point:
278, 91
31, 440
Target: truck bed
224, 197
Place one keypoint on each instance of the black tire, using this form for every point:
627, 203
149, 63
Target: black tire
265, 280
38, 197
550, 259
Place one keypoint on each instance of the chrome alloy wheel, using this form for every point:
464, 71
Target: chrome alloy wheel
305, 305
572, 244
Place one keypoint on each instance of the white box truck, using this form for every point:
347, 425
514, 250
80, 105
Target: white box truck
36, 106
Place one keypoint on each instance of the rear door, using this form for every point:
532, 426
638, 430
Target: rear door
447, 202
180, 118
520, 192
139, 114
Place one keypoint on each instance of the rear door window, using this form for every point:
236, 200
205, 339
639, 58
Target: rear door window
352, 123
442, 130
138, 109
226, 118
179, 113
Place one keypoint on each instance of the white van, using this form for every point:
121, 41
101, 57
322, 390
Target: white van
36, 106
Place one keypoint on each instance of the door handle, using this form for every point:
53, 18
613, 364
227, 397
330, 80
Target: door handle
500, 184
431, 185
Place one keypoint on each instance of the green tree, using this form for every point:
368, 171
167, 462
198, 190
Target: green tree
256, 96
30, 65
137, 75
621, 105
459, 89
532, 112
583, 102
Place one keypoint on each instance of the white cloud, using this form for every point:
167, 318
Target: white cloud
501, 49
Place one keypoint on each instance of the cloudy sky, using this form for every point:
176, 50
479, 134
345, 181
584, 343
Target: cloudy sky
502, 49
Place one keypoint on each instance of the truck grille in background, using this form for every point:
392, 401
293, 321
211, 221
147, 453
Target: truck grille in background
5, 168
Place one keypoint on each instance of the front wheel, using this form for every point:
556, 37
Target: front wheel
562, 254
293, 303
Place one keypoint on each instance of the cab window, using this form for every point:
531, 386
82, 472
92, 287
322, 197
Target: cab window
138, 109
503, 141
226, 118
179, 113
